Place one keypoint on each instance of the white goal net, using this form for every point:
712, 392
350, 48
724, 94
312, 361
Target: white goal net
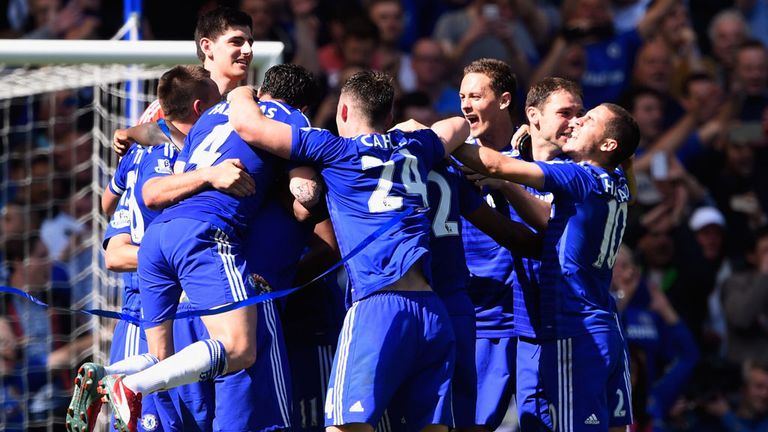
56, 124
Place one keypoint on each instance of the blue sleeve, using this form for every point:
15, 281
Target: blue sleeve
682, 355
298, 119
317, 146
118, 184
566, 178
157, 163
431, 144
119, 223
469, 197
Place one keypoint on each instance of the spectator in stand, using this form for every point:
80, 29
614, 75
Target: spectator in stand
652, 325
389, 19
508, 30
678, 34
750, 79
266, 26
739, 188
417, 106
707, 267
756, 14
745, 303
77, 19
355, 48
727, 31
609, 55
751, 414
39, 330
430, 67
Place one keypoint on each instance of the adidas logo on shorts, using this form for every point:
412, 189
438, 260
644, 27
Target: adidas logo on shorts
592, 420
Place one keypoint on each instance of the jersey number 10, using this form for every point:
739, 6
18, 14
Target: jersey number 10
609, 247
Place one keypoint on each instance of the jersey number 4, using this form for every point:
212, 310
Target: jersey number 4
381, 200
207, 152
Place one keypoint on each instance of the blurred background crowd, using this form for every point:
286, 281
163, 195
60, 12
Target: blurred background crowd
691, 280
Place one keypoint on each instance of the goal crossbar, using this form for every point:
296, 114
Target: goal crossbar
44, 51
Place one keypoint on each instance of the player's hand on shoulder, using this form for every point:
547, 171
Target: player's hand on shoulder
409, 126
518, 136
121, 142
230, 177
246, 91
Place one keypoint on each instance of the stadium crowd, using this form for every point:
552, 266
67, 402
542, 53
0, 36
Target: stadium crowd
690, 280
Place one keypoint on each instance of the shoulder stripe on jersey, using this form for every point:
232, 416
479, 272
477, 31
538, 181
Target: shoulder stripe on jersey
282, 106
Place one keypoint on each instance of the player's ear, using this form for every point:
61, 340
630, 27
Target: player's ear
609, 145
506, 100
344, 112
206, 46
532, 113
197, 107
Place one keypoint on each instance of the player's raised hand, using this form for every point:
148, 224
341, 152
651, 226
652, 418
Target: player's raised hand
230, 177
121, 142
409, 126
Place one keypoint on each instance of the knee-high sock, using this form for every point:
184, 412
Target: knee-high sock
131, 365
199, 361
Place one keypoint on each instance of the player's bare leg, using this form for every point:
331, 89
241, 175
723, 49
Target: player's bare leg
236, 330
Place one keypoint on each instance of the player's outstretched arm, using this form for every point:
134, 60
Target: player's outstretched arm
452, 132
249, 122
534, 211
121, 255
512, 235
229, 176
492, 163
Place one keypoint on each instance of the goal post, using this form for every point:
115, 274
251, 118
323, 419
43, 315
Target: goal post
60, 102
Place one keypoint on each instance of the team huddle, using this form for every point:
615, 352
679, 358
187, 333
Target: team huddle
474, 271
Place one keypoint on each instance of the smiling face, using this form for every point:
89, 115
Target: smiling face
587, 134
230, 55
481, 107
551, 123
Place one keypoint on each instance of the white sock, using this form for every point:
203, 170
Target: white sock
203, 360
131, 365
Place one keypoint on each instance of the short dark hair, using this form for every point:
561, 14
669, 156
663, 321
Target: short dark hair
501, 76
373, 93
623, 128
179, 87
540, 92
292, 84
213, 24
751, 44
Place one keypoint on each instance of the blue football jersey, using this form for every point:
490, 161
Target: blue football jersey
446, 205
211, 141
123, 183
157, 161
526, 281
371, 177
490, 271
580, 245
276, 240
120, 223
